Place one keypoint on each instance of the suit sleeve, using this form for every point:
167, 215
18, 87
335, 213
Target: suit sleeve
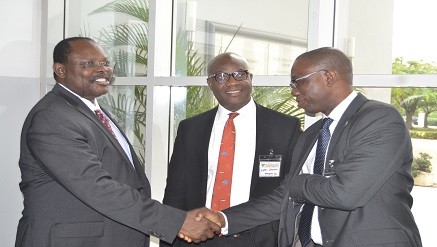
374, 149
67, 150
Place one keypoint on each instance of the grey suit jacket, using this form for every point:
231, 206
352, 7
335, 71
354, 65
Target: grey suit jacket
188, 168
79, 186
366, 203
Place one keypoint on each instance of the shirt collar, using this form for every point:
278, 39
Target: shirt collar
341, 108
248, 110
93, 106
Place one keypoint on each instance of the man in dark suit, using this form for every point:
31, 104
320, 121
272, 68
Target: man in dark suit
259, 132
82, 182
362, 197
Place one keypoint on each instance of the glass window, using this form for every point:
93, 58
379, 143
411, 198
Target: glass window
374, 37
207, 28
120, 27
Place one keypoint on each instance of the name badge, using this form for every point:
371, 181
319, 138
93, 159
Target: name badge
270, 165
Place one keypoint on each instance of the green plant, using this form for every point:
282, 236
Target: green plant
421, 164
126, 43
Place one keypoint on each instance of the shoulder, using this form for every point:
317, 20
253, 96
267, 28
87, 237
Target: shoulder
275, 115
204, 117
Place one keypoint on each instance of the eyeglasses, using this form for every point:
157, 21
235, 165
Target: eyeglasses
94, 64
223, 77
293, 83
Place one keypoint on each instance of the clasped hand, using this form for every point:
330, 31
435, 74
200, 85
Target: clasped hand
200, 225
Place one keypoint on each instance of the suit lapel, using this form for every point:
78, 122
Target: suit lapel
301, 152
116, 143
344, 121
74, 101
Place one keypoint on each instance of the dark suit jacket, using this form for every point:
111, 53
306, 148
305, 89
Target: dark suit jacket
188, 168
366, 203
79, 186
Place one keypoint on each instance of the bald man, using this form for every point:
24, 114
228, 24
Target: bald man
362, 195
259, 132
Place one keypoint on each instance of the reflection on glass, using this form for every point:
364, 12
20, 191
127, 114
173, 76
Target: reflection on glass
120, 28
398, 31
127, 105
203, 31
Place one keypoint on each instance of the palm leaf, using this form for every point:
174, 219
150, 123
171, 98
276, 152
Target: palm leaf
135, 8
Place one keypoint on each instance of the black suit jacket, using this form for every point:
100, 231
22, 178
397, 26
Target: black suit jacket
79, 186
188, 168
366, 203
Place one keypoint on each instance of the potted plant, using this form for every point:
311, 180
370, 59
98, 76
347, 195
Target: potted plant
421, 170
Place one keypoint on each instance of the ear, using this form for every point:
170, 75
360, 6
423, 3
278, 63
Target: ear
330, 78
59, 69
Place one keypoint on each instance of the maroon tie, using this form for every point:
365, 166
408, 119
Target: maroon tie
105, 121
221, 195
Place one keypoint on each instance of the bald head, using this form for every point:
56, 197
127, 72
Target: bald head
331, 59
226, 58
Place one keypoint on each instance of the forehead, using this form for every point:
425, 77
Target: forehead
228, 62
301, 66
86, 49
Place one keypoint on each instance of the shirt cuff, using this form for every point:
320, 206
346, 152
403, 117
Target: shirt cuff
225, 229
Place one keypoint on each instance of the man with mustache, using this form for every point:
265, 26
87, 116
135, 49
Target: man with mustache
82, 183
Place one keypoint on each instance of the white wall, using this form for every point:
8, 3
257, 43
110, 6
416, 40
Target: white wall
20, 90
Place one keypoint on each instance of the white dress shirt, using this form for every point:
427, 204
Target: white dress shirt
245, 143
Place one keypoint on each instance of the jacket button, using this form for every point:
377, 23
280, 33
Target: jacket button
140, 189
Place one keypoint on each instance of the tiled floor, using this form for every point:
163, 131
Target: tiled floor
425, 213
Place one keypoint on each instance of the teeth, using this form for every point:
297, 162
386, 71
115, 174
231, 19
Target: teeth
101, 79
236, 91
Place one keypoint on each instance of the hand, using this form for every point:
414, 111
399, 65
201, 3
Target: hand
198, 230
212, 216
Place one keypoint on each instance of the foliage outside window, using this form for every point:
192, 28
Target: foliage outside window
413, 99
421, 164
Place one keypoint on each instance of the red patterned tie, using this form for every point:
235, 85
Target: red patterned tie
221, 195
105, 121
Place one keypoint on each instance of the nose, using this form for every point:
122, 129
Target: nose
295, 92
231, 81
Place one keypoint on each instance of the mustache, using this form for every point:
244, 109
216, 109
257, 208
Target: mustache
105, 75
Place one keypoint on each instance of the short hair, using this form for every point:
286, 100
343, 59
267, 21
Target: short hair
63, 50
330, 58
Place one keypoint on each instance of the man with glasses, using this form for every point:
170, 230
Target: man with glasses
264, 141
350, 177
82, 183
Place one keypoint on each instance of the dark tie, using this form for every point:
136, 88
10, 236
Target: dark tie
319, 164
105, 121
221, 195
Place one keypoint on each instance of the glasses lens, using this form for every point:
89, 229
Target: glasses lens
240, 75
221, 77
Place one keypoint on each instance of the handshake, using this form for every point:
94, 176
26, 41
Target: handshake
201, 224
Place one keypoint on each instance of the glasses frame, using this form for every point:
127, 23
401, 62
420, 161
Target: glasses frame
233, 74
294, 82
94, 65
